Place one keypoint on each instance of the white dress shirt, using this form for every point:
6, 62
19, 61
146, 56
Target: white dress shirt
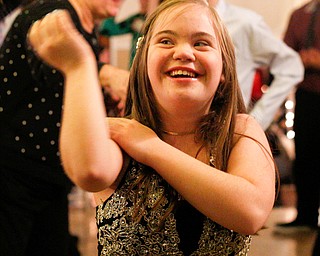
257, 46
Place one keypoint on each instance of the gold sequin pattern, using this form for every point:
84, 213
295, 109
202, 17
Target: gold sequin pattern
119, 235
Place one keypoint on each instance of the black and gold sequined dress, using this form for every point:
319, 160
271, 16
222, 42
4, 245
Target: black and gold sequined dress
183, 231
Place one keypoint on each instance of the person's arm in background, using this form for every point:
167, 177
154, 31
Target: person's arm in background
115, 81
310, 58
285, 66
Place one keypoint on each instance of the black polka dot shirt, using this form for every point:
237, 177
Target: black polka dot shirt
31, 95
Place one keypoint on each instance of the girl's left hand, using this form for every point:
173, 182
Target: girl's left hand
133, 137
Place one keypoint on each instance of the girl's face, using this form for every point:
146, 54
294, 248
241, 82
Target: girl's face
184, 60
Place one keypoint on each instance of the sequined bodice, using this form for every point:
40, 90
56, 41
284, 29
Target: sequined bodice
119, 235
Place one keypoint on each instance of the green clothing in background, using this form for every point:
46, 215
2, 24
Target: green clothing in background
132, 25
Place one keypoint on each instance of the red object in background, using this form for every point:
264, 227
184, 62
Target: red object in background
257, 86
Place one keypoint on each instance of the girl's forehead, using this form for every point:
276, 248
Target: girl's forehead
185, 16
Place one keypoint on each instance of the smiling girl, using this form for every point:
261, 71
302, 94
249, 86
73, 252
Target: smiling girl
187, 172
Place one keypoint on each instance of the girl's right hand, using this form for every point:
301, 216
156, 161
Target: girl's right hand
136, 139
55, 39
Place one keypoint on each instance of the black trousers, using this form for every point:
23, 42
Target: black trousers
306, 168
33, 216
316, 247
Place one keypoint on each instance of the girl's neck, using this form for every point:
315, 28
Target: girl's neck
178, 124
173, 133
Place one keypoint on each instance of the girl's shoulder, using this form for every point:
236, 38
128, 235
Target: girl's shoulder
243, 120
247, 125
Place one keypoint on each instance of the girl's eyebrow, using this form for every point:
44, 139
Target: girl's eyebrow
195, 35
166, 32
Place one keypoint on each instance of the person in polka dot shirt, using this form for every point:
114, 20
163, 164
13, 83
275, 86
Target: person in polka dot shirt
33, 185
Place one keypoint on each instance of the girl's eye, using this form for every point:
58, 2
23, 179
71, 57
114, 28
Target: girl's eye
201, 43
165, 41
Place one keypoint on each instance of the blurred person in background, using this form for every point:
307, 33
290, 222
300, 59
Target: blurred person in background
131, 25
256, 47
303, 35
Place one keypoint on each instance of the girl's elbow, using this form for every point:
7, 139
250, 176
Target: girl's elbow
91, 184
251, 228
255, 221
92, 178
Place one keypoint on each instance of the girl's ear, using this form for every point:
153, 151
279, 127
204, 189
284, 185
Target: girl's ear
222, 79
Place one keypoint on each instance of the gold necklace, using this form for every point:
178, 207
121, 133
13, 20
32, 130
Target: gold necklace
178, 133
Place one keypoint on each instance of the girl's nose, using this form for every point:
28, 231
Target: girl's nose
184, 52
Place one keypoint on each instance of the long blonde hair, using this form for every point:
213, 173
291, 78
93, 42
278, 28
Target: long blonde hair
216, 129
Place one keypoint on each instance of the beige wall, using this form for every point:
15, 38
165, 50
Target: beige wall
275, 12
